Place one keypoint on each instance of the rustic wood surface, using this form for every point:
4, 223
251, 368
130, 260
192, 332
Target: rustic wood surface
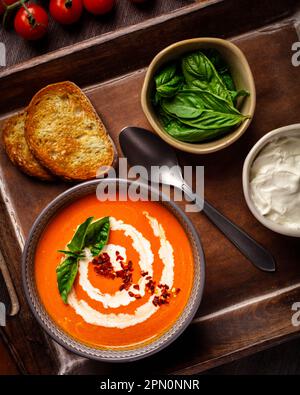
112, 55
124, 14
7, 364
281, 360
243, 310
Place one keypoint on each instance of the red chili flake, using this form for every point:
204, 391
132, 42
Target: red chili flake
120, 273
165, 295
130, 266
103, 266
156, 301
151, 286
128, 278
160, 300
104, 256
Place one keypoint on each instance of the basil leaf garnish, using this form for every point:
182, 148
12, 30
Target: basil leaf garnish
66, 273
97, 235
93, 235
77, 243
72, 254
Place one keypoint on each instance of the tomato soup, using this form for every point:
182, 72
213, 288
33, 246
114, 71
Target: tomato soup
137, 286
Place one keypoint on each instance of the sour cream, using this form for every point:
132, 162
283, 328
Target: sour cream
122, 298
275, 181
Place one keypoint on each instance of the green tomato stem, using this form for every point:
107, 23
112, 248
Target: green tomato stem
69, 3
10, 8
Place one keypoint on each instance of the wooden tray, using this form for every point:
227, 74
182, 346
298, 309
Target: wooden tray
243, 310
125, 13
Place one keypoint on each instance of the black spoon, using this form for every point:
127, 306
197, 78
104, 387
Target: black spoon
144, 148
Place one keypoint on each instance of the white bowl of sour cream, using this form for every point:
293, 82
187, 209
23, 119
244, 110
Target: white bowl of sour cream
271, 180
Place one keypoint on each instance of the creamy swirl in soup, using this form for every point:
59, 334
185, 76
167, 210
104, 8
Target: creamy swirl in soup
132, 290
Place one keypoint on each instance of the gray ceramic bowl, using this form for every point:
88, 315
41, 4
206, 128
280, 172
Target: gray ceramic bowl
66, 340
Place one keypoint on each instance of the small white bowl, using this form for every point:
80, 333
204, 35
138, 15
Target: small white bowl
285, 131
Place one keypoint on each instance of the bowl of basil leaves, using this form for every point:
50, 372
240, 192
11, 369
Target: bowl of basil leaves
199, 94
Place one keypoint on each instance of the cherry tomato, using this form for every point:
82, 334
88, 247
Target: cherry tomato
31, 23
66, 11
5, 2
99, 7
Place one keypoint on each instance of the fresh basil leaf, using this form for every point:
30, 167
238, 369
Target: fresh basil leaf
213, 120
189, 134
171, 88
156, 99
77, 243
211, 101
66, 273
201, 73
97, 235
236, 94
228, 81
168, 82
216, 59
221, 67
89, 234
202, 107
70, 253
166, 74
184, 105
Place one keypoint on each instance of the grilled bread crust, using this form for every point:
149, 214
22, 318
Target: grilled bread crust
65, 133
16, 147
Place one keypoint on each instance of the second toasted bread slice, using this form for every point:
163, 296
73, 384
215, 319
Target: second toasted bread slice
17, 149
65, 133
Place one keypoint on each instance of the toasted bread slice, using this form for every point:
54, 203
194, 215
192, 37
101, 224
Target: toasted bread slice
65, 133
13, 136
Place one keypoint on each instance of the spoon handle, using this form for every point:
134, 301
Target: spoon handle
256, 253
